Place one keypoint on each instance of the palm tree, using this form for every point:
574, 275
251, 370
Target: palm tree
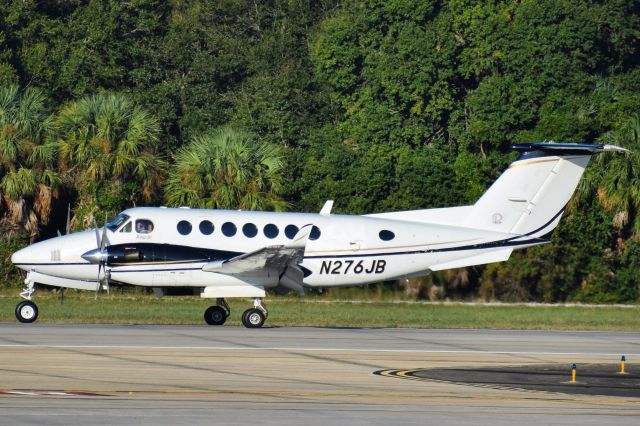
28, 180
226, 168
108, 149
615, 181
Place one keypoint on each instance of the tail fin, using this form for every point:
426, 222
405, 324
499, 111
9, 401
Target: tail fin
530, 196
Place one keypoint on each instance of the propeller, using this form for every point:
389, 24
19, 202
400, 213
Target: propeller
100, 255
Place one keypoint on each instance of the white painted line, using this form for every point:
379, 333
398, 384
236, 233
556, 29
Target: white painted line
293, 349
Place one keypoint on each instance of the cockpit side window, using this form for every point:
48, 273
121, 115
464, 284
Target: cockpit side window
127, 227
117, 222
144, 226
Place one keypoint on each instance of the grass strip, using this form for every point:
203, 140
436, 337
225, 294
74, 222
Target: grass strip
81, 308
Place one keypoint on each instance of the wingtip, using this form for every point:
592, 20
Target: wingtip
615, 148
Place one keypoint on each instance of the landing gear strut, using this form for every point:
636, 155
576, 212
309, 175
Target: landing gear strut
217, 315
256, 316
27, 311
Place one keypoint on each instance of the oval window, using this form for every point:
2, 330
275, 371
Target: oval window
315, 233
271, 231
386, 235
206, 227
229, 229
290, 231
184, 227
144, 226
250, 230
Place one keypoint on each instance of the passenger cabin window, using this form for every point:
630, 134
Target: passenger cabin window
229, 229
115, 223
250, 230
271, 231
315, 233
127, 227
144, 226
290, 231
386, 235
206, 227
184, 227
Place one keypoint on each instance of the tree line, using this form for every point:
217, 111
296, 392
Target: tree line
380, 105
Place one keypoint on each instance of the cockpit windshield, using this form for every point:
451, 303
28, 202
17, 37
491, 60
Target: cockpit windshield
115, 223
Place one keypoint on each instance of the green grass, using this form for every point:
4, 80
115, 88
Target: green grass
286, 311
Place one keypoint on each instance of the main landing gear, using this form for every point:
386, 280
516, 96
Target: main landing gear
251, 318
27, 311
218, 314
256, 316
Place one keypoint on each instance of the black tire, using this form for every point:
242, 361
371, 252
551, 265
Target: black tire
215, 315
26, 311
243, 318
253, 318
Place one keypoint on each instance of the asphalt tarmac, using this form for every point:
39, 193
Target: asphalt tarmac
166, 375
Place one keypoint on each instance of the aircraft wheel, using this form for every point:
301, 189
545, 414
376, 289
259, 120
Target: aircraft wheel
253, 318
215, 315
26, 311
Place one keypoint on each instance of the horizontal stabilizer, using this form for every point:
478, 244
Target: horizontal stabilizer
567, 148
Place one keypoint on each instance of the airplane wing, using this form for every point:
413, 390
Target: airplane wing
282, 260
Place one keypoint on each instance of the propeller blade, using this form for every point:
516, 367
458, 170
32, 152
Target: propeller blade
103, 241
98, 283
107, 276
97, 232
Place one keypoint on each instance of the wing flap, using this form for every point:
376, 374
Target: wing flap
268, 259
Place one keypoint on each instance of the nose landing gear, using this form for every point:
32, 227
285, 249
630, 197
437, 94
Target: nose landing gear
27, 311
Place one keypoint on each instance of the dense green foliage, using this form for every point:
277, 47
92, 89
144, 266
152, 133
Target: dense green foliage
226, 169
379, 104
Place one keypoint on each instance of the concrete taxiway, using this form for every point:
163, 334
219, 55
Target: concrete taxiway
165, 375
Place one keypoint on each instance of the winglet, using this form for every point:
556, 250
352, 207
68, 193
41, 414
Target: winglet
299, 241
326, 209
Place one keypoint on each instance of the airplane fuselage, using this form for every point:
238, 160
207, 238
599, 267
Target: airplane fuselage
343, 250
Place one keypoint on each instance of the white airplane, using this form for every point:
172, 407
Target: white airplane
243, 253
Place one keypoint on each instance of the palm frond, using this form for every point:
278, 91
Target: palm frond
227, 168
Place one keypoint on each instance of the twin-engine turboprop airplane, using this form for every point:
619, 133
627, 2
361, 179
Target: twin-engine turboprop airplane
244, 253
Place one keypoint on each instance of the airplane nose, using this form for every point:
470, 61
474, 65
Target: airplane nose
22, 256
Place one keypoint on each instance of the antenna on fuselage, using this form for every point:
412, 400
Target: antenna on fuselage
326, 209
68, 222
68, 218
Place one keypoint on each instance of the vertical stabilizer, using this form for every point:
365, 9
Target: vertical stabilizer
530, 196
